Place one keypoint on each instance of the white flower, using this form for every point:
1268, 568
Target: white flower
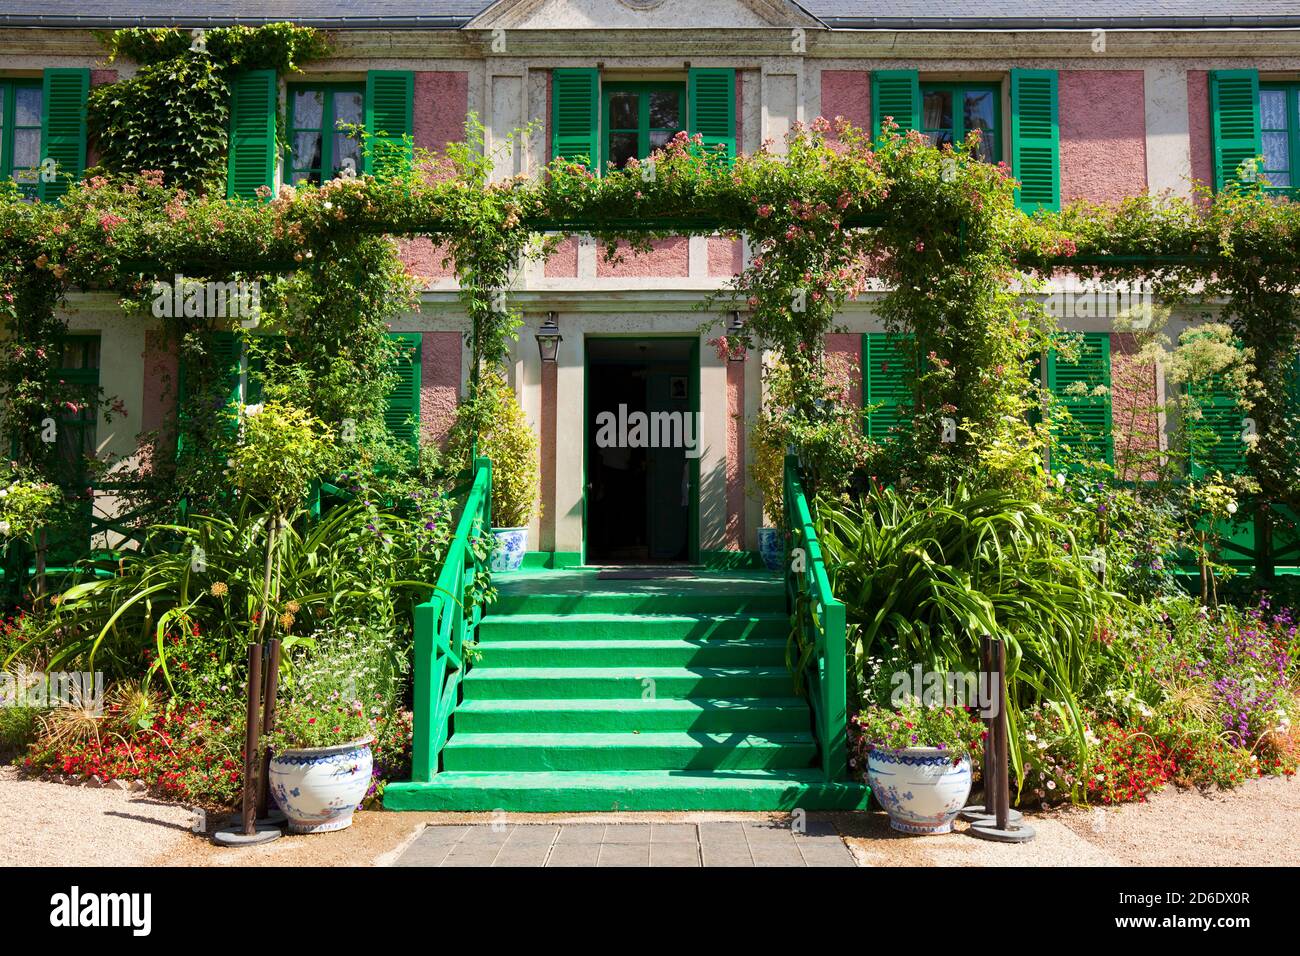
4, 527
1051, 785
4, 492
1232, 507
328, 205
1100, 777
251, 410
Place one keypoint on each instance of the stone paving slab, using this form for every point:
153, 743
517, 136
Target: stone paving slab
724, 843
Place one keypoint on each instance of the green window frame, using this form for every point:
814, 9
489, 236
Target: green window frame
1279, 123
13, 93
649, 136
341, 104
959, 122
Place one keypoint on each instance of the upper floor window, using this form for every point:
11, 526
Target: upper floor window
21, 114
323, 137
639, 118
1279, 122
950, 111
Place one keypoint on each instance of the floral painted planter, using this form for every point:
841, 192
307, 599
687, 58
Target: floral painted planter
920, 787
318, 788
771, 548
512, 544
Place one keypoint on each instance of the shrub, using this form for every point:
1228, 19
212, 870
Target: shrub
494, 418
923, 575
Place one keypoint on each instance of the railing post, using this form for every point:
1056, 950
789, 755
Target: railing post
423, 760
485, 464
835, 754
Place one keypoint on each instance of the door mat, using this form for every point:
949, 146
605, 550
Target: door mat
644, 574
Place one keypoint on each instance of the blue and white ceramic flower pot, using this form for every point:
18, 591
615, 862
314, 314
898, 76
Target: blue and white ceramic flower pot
921, 787
318, 788
771, 548
512, 545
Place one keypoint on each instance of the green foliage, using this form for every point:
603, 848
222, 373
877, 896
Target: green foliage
345, 684
25, 506
172, 115
924, 576
187, 95
827, 433
951, 729
493, 418
193, 593
282, 451
282, 47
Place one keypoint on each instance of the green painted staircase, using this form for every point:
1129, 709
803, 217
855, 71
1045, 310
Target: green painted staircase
590, 694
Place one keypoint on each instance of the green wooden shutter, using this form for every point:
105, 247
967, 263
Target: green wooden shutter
1220, 446
250, 163
711, 101
888, 368
390, 121
402, 415
896, 93
63, 128
226, 356
1036, 139
575, 124
1234, 119
1092, 437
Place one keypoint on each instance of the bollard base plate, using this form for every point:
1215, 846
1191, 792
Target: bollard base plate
976, 813
987, 829
235, 836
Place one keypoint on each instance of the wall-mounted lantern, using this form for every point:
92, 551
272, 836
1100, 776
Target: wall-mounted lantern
549, 338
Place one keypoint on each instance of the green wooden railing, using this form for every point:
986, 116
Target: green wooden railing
443, 623
820, 619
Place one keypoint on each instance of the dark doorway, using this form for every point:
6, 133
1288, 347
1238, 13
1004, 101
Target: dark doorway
642, 450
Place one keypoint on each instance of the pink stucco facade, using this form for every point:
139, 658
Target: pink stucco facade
440, 366
157, 421
1103, 134
667, 258
441, 105
563, 261
847, 94
734, 531
846, 347
1198, 125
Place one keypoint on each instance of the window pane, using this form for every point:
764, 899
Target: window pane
940, 138
27, 106
1272, 109
661, 137
665, 110
937, 110
622, 147
623, 110
1277, 153
306, 150
979, 111
348, 109
306, 176
308, 109
347, 153
1279, 180
27, 150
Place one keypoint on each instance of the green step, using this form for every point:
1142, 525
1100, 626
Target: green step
530, 753
632, 627
650, 790
532, 683
738, 714
770, 600
631, 653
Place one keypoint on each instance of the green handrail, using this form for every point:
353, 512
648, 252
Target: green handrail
442, 624
821, 620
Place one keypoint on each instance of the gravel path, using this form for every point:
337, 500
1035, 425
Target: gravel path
1255, 825
50, 824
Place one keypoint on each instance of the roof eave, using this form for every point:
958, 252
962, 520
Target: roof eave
1061, 23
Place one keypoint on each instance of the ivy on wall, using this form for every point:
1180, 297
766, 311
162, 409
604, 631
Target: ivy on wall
173, 114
